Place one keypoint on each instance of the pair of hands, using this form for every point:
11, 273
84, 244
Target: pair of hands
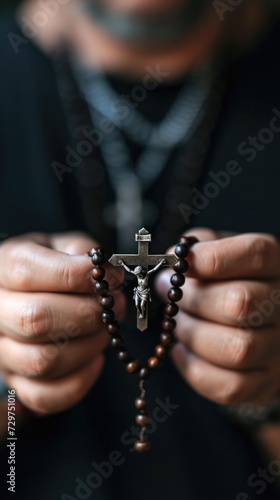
52, 338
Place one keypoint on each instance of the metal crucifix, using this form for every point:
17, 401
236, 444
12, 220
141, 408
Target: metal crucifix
142, 261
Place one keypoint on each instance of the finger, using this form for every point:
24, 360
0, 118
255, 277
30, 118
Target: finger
233, 303
45, 317
225, 387
242, 256
55, 396
74, 243
29, 266
226, 346
50, 361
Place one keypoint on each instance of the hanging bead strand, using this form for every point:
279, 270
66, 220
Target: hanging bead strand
167, 337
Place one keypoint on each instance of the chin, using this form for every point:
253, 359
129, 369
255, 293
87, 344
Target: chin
145, 7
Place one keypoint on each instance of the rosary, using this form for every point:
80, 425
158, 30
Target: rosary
142, 261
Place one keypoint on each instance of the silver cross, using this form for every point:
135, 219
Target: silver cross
142, 261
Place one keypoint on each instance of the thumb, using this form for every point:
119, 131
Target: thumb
162, 281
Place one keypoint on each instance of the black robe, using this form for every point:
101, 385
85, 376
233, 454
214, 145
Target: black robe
197, 453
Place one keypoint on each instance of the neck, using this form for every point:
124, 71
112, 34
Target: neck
96, 47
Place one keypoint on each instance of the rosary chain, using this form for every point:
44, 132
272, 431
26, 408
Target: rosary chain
167, 338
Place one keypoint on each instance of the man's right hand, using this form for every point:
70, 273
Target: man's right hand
51, 334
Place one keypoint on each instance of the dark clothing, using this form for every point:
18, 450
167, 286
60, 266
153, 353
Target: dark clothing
196, 452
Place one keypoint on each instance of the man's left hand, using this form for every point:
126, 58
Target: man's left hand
228, 326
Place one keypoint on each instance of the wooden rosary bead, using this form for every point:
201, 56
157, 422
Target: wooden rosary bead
161, 351
169, 324
142, 446
133, 367
177, 279
107, 301
124, 355
167, 338
171, 309
141, 403
101, 287
144, 372
185, 240
98, 259
117, 342
181, 250
98, 273
98, 250
154, 363
142, 419
181, 266
175, 294
188, 240
107, 316
113, 327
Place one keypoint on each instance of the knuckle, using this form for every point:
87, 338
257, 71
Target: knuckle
35, 319
237, 302
238, 350
19, 258
41, 362
69, 275
214, 262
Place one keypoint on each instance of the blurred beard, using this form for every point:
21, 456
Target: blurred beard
152, 30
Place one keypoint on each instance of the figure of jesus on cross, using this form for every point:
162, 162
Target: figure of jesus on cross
142, 292
142, 261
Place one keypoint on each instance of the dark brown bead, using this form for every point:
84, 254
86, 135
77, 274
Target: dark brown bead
188, 240
142, 446
142, 419
181, 250
107, 301
177, 279
101, 287
133, 367
98, 250
98, 273
117, 342
154, 363
185, 240
175, 294
113, 327
171, 309
192, 240
169, 324
160, 351
141, 403
181, 266
144, 372
98, 259
167, 338
107, 317
124, 355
